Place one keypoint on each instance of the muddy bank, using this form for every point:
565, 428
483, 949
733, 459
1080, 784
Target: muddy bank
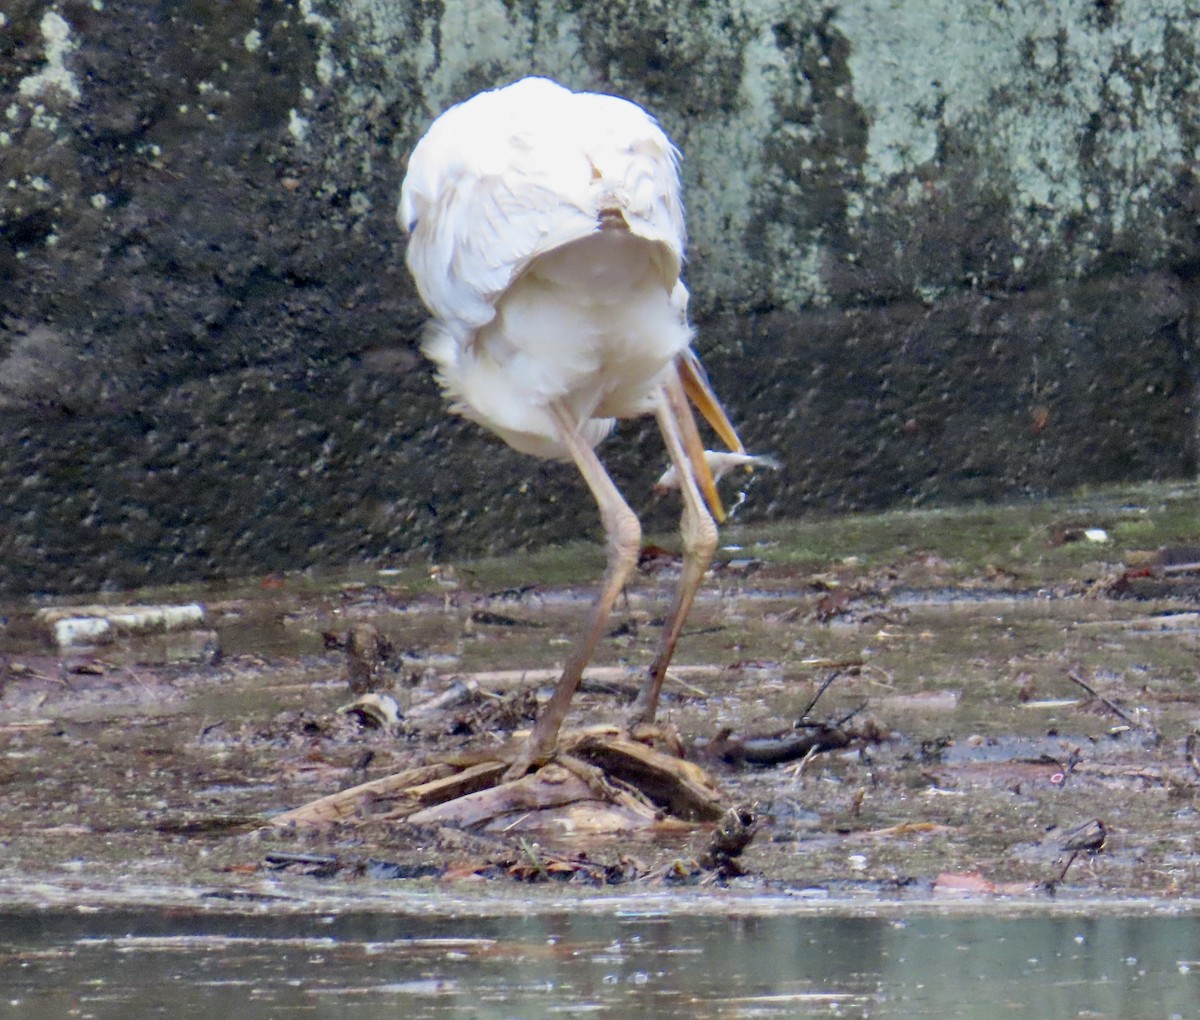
1012, 677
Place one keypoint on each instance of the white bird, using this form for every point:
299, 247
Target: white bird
547, 238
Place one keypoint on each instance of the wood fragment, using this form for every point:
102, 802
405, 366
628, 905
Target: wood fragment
458, 693
904, 829
681, 787
377, 710
596, 674
460, 784
615, 784
1102, 770
72, 626
346, 804
552, 786
490, 619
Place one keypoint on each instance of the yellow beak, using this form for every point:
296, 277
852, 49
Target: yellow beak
695, 384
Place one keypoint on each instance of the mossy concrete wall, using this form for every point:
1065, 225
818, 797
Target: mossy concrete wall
940, 250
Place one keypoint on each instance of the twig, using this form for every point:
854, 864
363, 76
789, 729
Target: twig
1076, 678
1066, 867
140, 682
848, 716
887, 681
281, 858
813, 701
516, 821
530, 851
458, 693
796, 770
692, 688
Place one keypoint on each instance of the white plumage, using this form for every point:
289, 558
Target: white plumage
506, 198
547, 239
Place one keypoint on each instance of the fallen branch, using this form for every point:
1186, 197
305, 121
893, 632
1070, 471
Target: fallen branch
598, 780
347, 805
777, 750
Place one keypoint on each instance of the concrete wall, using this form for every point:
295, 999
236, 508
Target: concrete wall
940, 250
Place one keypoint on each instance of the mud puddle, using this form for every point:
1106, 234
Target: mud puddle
1016, 687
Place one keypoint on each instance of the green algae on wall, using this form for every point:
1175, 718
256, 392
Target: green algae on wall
829, 153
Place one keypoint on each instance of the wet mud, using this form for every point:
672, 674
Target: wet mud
934, 706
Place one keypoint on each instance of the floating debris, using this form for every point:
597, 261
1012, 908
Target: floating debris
734, 832
460, 692
1089, 838
379, 711
76, 626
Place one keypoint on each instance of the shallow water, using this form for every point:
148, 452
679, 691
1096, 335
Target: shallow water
669, 965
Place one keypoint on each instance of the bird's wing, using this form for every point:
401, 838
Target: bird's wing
479, 233
512, 174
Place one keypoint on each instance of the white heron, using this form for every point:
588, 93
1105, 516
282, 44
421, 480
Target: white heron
547, 238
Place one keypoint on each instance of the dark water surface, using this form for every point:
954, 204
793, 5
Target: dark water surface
113, 964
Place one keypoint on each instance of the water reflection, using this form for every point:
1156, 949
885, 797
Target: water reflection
141, 965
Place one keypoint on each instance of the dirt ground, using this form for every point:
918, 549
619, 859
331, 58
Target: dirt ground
1006, 701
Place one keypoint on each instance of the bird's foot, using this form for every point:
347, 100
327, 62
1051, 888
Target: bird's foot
641, 712
529, 759
654, 734
640, 724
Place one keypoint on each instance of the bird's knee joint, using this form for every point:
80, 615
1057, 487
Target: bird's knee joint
625, 535
700, 535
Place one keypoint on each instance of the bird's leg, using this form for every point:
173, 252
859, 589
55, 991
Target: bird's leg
624, 536
678, 427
